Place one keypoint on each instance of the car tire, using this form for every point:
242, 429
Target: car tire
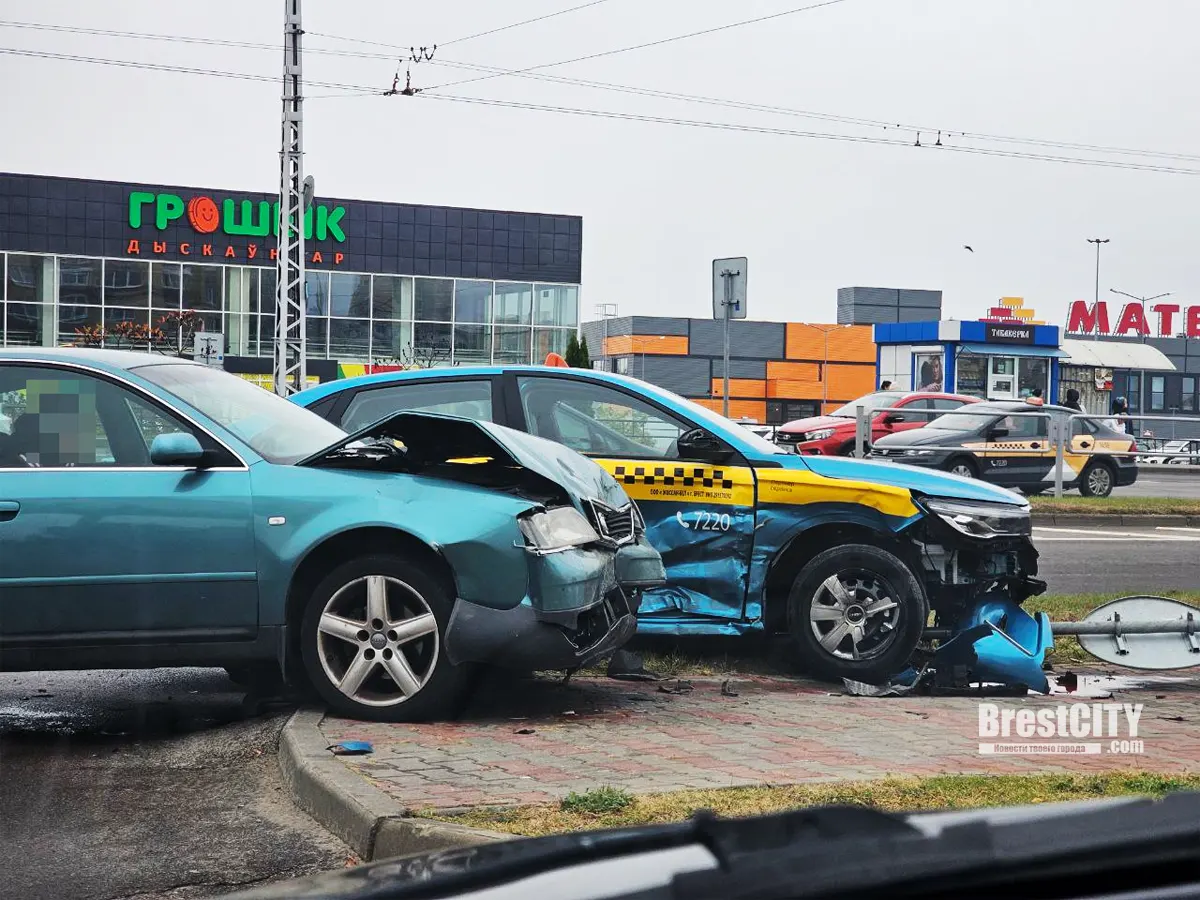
846, 449
962, 466
393, 667
1097, 480
835, 592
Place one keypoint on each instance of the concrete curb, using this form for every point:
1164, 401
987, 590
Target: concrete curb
1092, 520
373, 824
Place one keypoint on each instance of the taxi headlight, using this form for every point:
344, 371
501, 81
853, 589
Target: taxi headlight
980, 519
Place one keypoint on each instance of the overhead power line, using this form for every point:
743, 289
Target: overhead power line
816, 135
182, 70
648, 44
749, 106
819, 116
369, 90
561, 12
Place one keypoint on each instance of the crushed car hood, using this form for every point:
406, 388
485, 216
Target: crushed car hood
922, 481
431, 439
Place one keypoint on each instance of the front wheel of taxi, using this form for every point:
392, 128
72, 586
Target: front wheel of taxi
856, 611
373, 642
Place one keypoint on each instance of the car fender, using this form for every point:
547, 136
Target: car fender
473, 529
781, 531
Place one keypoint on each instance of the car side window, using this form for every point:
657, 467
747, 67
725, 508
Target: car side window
915, 411
598, 420
57, 419
1024, 427
944, 403
470, 398
151, 421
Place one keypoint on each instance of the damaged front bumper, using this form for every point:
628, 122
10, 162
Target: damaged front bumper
976, 587
582, 605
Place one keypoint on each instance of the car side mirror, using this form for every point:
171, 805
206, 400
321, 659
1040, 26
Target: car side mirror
700, 445
892, 418
177, 449
994, 433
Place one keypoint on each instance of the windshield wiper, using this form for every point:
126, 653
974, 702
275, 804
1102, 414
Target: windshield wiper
1131, 843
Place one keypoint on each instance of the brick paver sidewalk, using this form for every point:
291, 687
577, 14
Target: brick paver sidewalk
595, 732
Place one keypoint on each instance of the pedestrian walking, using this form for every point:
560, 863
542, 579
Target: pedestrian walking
1072, 401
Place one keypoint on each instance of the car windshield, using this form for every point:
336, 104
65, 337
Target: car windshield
278, 431
705, 416
878, 400
980, 416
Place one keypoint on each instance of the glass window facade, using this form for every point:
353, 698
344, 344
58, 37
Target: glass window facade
351, 317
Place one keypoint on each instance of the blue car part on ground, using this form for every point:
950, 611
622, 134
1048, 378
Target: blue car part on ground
996, 642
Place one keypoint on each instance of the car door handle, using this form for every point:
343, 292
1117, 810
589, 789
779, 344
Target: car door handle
9, 510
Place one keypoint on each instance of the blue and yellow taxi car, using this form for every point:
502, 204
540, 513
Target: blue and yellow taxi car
847, 556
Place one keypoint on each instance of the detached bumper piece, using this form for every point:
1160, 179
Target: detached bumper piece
998, 643
583, 605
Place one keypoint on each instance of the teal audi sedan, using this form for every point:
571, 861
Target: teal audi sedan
158, 512
848, 557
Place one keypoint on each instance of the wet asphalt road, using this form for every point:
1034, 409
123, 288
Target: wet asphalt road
155, 784
1120, 559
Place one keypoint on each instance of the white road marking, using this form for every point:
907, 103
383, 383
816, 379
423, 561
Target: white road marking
1097, 535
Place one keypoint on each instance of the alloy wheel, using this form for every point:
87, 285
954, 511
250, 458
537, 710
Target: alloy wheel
962, 469
855, 615
377, 640
1100, 481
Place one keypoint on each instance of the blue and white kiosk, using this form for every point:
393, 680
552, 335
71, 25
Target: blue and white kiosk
990, 360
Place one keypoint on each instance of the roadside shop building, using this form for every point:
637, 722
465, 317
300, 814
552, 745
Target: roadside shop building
385, 281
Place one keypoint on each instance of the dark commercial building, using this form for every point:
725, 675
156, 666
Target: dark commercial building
385, 281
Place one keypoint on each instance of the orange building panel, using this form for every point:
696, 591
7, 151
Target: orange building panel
738, 409
650, 344
794, 388
740, 387
851, 382
793, 371
846, 343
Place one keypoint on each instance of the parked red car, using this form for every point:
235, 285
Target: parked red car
893, 411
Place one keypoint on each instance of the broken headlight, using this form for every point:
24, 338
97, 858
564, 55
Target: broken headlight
979, 519
561, 528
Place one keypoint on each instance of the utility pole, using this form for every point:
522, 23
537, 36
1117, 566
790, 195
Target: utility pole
1097, 242
290, 351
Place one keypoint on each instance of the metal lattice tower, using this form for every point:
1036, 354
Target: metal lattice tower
290, 351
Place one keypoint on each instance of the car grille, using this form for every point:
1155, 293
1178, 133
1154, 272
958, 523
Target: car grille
616, 525
787, 437
879, 451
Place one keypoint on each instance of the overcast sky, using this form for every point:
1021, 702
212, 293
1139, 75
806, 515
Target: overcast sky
660, 201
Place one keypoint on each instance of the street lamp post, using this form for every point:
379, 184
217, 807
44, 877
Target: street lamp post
1098, 242
825, 330
1143, 301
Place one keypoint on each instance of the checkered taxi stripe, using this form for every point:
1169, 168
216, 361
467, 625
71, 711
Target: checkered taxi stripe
689, 476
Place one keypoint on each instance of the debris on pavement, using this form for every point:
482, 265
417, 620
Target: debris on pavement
626, 665
897, 686
676, 687
727, 689
525, 731
351, 748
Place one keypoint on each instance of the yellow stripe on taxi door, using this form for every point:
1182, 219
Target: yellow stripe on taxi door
677, 482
